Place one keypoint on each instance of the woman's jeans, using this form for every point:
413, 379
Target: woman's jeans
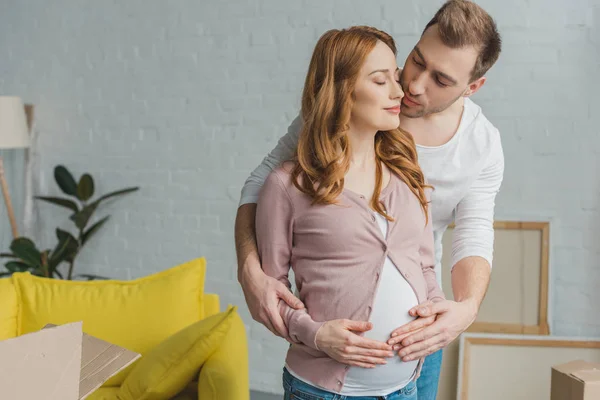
295, 389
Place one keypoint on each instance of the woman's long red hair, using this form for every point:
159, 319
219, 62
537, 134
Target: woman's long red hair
323, 154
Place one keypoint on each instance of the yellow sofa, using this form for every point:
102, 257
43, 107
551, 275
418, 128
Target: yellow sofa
139, 315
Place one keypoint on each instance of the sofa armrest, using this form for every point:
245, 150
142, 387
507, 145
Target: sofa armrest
225, 374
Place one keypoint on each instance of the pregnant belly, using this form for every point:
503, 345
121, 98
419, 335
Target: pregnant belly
393, 299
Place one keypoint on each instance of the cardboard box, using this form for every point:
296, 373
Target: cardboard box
575, 380
58, 363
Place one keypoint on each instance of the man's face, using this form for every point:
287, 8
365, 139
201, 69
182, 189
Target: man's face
435, 75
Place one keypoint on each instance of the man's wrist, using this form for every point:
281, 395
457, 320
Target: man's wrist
472, 305
250, 266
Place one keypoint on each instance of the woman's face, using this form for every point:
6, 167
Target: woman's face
377, 94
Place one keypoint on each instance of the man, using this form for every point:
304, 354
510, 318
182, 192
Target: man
461, 155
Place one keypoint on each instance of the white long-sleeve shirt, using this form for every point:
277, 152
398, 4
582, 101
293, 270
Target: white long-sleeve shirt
466, 173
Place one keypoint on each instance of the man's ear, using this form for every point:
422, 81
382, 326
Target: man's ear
474, 86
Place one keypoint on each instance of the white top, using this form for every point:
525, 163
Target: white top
466, 173
393, 299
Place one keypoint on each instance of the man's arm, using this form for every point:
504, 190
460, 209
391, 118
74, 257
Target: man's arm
284, 151
472, 251
262, 293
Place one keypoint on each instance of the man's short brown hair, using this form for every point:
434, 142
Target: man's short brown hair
463, 23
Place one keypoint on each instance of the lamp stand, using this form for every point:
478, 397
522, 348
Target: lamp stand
9, 208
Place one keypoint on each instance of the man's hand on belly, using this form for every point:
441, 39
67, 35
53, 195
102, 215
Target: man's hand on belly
438, 325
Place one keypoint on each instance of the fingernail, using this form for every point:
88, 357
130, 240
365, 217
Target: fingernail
408, 359
390, 354
397, 347
394, 334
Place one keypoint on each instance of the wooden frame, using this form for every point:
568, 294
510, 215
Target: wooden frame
541, 328
555, 344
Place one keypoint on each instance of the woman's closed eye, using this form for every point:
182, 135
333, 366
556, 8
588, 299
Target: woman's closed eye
381, 83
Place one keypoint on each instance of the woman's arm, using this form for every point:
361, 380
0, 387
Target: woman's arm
274, 232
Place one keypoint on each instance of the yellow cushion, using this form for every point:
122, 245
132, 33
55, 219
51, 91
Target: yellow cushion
104, 393
225, 374
211, 304
136, 314
170, 366
8, 309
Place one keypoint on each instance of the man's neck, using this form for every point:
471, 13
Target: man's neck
435, 129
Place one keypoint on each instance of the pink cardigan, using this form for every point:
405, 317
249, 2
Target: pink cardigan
337, 253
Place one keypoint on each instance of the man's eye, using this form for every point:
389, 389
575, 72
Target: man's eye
416, 62
440, 83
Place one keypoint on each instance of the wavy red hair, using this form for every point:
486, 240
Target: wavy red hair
323, 153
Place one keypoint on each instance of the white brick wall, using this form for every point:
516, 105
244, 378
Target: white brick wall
184, 98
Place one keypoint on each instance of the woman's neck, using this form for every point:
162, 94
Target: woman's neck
362, 145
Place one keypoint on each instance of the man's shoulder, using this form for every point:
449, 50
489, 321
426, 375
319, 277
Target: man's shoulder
479, 129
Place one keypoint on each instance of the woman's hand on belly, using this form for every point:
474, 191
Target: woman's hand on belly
396, 337
337, 339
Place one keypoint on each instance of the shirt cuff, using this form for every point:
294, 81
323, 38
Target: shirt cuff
304, 330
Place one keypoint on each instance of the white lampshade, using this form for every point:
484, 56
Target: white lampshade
13, 123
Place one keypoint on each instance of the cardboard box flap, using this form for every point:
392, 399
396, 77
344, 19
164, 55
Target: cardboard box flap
100, 360
42, 365
587, 375
572, 366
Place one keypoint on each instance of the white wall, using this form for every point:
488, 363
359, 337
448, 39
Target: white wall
184, 98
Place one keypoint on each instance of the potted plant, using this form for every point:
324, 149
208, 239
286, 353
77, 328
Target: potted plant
24, 254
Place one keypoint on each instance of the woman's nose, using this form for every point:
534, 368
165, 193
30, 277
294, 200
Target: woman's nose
397, 92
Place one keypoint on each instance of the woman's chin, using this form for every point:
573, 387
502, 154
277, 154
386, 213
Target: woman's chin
389, 127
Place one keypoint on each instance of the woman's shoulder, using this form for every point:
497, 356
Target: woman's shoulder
282, 174
399, 184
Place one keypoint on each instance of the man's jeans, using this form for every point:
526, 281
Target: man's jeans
295, 389
427, 383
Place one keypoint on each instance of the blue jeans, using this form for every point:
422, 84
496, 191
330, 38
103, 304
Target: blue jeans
295, 389
427, 382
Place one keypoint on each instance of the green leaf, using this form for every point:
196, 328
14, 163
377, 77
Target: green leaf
72, 247
17, 266
5, 274
82, 217
60, 202
85, 188
118, 193
22, 241
64, 248
65, 180
88, 234
90, 277
7, 255
25, 249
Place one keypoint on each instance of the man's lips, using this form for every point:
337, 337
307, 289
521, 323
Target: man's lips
409, 102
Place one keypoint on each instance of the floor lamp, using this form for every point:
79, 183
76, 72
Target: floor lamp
13, 135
